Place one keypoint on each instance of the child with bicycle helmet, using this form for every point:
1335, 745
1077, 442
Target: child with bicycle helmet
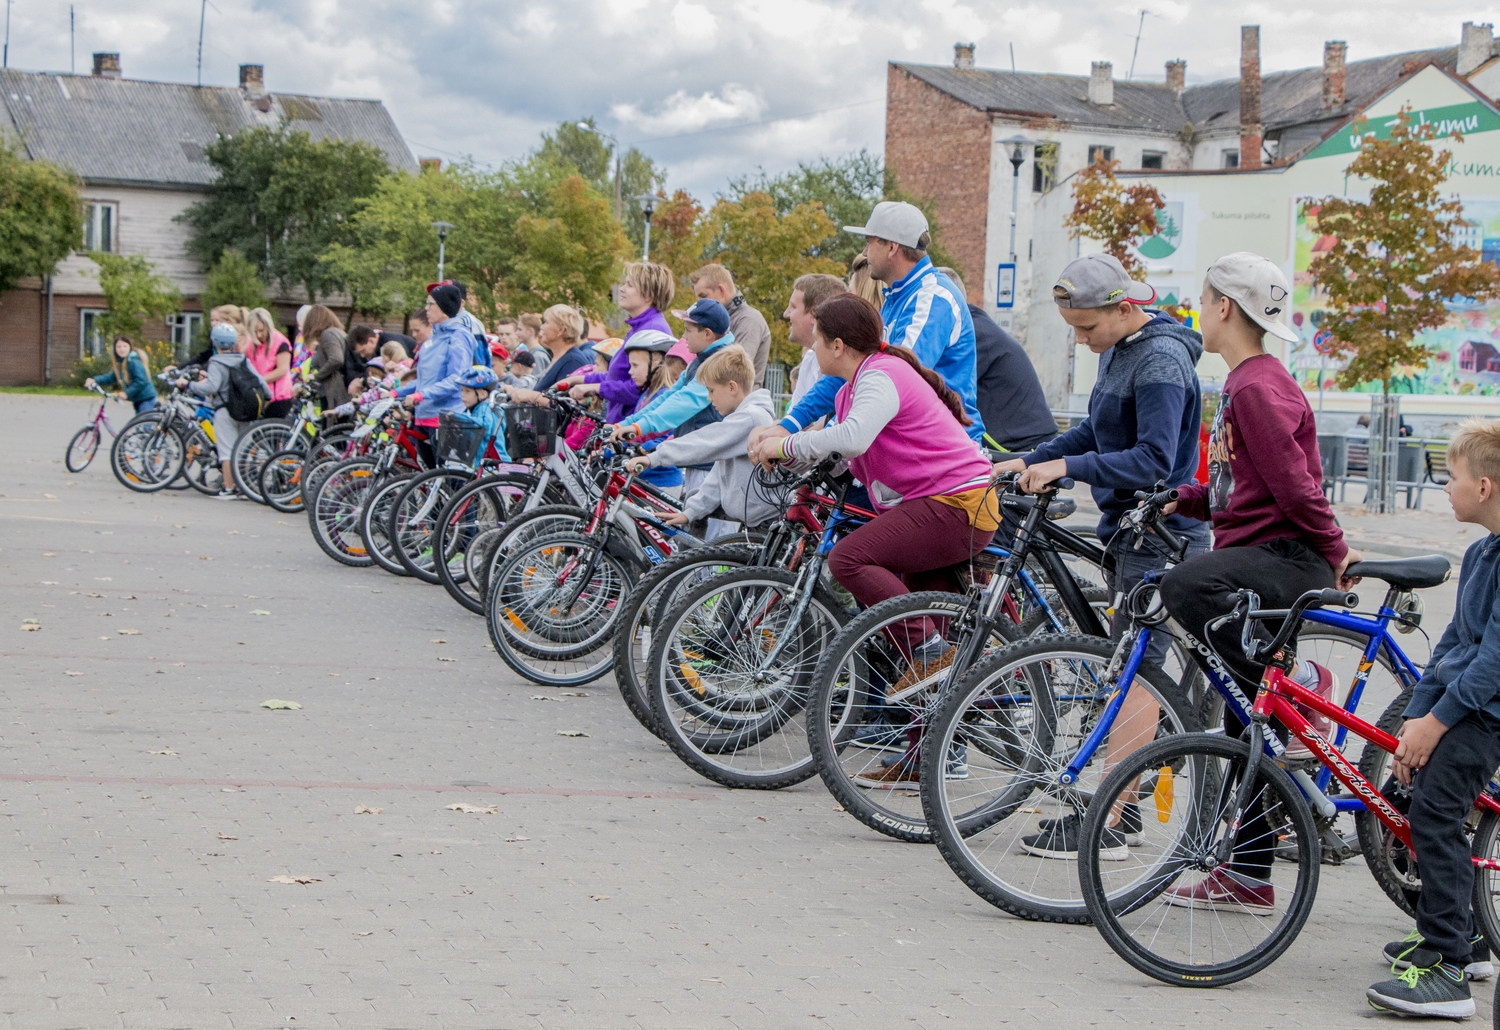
902, 430
475, 385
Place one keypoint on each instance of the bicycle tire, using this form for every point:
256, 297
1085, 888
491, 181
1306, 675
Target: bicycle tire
411, 524
333, 510
544, 520
645, 604
81, 449
1486, 845
532, 636
484, 506
1202, 768
147, 455
850, 696
374, 525
200, 464
281, 481
754, 724
258, 442
1018, 751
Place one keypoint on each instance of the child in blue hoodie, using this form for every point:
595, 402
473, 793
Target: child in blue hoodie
1450, 747
475, 387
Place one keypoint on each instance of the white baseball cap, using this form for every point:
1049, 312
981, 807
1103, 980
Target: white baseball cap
1258, 287
894, 220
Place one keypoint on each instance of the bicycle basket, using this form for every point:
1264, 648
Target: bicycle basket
458, 441
530, 431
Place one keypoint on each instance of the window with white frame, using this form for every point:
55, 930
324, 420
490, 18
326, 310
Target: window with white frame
91, 341
1232, 158
1152, 160
99, 220
1099, 152
183, 328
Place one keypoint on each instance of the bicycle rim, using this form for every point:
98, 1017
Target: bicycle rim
82, 448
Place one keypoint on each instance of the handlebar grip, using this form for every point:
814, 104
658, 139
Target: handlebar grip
1338, 598
1065, 483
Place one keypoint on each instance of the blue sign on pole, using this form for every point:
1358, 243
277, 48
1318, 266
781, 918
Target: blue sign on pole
1005, 285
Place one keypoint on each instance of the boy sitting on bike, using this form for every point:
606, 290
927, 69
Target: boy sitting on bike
475, 385
1450, 747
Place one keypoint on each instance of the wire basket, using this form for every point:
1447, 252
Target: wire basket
459, 440
530, 431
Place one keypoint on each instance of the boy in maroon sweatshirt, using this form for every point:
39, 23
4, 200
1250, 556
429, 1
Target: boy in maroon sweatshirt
1274, 531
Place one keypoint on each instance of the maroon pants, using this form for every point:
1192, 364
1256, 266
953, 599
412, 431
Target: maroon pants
917, 545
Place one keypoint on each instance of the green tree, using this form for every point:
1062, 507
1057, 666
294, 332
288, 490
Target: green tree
1115, 215
233, 280
133, 294
41, 216
282, 201
1396, 259
593, 157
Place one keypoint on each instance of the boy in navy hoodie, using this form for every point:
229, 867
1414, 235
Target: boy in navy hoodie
1450, 747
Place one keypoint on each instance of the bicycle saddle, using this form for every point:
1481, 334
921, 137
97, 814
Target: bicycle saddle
1406, 573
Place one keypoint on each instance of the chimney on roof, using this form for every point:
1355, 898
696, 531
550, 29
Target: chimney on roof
1334, 53
963, 56
1251, 132
1177, 75
1102, 84
253, 79
430, 164
106, 66
1475, 47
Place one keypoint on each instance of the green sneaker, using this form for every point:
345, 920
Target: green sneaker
1430, 987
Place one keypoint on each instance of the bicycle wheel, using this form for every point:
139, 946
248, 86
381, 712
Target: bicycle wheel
82, 448
1010, 830
491, 549
413, 519
645, 605
553, 606
1171, 909
1486, 848
375, 524
201, 466
281, 481
255, 445
333, 510
871, 704
481, 509
730, 673
147, 455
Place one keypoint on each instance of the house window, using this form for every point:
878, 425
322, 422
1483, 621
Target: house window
183, 329
1044, 168
90, 339
1098, 152
1153, 159
1231, 159
99, 219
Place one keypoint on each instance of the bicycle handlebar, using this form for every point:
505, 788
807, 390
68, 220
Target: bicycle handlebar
1248, 608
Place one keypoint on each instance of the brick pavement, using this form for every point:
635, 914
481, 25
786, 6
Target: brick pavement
613, 888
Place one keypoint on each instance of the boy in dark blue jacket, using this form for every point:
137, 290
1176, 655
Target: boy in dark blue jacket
1450, 747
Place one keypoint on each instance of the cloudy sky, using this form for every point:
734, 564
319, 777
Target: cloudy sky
710, 89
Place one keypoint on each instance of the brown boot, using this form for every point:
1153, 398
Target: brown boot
920, 670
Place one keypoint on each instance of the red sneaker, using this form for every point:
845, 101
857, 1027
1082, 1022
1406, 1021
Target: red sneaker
1225, 891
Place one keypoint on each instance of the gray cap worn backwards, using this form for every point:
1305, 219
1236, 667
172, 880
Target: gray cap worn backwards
1099, 281
894, 220
1258, 287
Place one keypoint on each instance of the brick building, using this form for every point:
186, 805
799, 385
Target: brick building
138, 146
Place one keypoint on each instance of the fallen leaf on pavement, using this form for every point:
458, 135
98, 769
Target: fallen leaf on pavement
574, 693
601, 897
542, 697
363, 933
442, 659
165, 751
366, 810
515, 840
294, 879
128, 632
259, 611
32, 626
571, 733
70, 672
225, 836
276, 704
461, 806
437, 640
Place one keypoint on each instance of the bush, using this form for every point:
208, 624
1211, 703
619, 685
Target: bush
158, 354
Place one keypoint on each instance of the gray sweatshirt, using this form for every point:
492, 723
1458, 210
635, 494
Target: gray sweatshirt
214, 390
723, 443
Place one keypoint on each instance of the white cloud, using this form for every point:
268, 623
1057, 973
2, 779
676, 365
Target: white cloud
694, 24
681, 113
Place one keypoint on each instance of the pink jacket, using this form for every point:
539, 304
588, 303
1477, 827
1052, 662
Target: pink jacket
263, 357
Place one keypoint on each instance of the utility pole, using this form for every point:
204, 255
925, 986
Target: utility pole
72, 44
202, 14
1139, 28
5, 62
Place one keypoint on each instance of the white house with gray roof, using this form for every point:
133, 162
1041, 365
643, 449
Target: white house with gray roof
138, 146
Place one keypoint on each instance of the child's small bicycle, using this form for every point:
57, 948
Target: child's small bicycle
85, 442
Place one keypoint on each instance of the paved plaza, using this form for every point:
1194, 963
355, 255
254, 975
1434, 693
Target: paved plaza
149, 804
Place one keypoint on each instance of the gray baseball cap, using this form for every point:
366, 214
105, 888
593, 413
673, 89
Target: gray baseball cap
1258, 287
1098, 281
894, 220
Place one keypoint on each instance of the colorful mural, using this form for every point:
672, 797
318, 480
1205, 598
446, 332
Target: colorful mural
1467, 362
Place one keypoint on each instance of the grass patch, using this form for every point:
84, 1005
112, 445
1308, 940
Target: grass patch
48, 391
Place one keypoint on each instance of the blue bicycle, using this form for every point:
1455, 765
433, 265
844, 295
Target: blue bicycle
1043, 721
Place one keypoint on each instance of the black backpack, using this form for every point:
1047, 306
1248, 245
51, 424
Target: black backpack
246, 396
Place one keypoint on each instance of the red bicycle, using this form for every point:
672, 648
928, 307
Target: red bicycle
1223, 857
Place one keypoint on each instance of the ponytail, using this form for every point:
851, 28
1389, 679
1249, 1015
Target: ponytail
854, 320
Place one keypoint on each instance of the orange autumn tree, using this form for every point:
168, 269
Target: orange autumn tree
1115, 215
1396, 259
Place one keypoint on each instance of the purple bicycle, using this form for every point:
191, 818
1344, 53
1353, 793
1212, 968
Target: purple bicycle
85, 442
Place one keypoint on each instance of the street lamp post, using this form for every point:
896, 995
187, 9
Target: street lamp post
1017, 159
619, 206
648, 208
442, 231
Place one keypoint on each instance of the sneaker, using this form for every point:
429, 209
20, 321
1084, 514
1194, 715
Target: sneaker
902, 773
958, 763
1328, 686
921, 670
228, 495
1428, 987
1060, 840
1479, 966
1128, 827
880, 734
1225, 891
